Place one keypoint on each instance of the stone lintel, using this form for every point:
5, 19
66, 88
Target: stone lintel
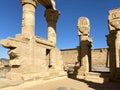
32, 2
46, 3
11, 42
44, 42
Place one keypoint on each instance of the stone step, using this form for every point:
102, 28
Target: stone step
97, 74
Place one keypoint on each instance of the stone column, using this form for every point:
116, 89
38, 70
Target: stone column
85, 54
28, 19
113, 41
51, 18
85, 45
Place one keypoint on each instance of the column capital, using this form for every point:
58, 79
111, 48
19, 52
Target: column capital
32, 2
51, 15
83, 26
51, 18
114, 19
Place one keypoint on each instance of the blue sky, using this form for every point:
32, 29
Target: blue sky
71, 10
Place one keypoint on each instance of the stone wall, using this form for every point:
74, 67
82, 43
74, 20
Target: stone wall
69, 56
99, 57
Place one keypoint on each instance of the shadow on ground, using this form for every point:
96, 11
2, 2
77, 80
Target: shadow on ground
106, 85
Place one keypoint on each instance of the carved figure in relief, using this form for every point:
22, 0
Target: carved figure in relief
83, 26
114, 19
53, 4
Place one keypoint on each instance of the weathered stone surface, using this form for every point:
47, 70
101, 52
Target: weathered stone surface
114, 19
83, 26
4, 62
73, 56
28, 19
51, 18
24, 61
97, 60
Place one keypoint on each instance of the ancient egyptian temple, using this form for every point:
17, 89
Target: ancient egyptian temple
33, 57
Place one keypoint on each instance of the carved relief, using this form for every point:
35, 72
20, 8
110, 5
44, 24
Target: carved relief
83, 26
114, 19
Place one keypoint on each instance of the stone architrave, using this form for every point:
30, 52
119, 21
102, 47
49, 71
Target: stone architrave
113, 41
85, 45
53, 4
51, 18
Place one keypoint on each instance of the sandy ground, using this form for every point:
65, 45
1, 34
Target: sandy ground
64, 83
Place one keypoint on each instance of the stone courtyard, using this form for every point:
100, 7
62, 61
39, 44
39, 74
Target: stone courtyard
37, 64
64, 83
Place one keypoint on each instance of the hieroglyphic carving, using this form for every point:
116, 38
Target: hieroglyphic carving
83, 26
114, 19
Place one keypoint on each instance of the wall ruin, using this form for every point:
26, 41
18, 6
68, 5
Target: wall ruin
99, 57
31, 56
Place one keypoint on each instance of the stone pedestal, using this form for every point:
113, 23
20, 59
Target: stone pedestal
113, 41
51, 18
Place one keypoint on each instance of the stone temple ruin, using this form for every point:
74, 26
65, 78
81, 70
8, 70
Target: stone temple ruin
33, 57
113, 42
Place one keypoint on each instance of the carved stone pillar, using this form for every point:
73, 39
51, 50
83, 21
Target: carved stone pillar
85, 45
51, 18
113, 41
28, 19
85, 54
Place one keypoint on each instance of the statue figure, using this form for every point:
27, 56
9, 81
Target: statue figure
53, 4
114, 19
83, 26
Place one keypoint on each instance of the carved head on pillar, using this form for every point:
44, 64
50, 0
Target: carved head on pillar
114, 19
83, 26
